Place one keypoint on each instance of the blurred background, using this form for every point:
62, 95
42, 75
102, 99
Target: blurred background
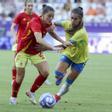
97, 18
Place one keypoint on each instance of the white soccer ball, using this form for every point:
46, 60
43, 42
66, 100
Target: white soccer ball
47, 100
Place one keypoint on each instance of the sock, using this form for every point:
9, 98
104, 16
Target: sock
37, 83
58, 74
13, 73
64, 89
15, 88
69, 81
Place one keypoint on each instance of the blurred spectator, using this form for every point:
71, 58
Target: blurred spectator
77, 1
5, 36
65, 11
91, 11
95, 11
67, 6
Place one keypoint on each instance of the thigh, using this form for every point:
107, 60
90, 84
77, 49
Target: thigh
21, 60
38, 58
43, 68
78, 67
72, 74
63, 65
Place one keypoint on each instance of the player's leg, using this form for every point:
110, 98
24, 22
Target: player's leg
14, 47
41, 64
14, 73
71, 77
43, 69
20, 62
61, 69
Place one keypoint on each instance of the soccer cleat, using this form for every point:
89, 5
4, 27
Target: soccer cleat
57, 98
13, 101
31, 97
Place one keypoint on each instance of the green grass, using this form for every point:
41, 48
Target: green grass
91, 92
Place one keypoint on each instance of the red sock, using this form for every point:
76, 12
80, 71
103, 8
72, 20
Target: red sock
37, 83
15, 88
13, 73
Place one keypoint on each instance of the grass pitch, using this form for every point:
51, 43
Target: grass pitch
91, 92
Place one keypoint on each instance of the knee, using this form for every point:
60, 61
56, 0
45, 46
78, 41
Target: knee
20, 72
45, 73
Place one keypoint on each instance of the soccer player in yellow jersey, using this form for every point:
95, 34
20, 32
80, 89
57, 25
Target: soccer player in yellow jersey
74, 56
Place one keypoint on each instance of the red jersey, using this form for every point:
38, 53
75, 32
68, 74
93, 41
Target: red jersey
22, 20
28, 42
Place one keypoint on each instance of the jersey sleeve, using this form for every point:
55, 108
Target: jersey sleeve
35, 25
17, 19
63, 23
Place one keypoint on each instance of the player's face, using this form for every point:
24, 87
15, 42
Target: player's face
48, 17
29, 7
75, 19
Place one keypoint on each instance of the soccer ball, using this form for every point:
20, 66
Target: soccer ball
47, 100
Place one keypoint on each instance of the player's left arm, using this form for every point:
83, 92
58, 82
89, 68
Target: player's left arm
56, 37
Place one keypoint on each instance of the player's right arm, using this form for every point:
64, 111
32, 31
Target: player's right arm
15, 23
13, 31
36, 28
45, 45
39, 39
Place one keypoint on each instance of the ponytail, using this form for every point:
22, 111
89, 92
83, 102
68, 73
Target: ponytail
46, 8
79, 11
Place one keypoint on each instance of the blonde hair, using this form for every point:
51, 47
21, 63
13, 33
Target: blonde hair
27, 1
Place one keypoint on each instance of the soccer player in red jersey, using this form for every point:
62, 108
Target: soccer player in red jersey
21, 21
27, 49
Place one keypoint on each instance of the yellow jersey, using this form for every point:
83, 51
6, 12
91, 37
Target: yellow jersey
78, 53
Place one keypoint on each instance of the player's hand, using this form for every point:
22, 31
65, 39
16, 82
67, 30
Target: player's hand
40, 48
61, 45
67, 44
58, 49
